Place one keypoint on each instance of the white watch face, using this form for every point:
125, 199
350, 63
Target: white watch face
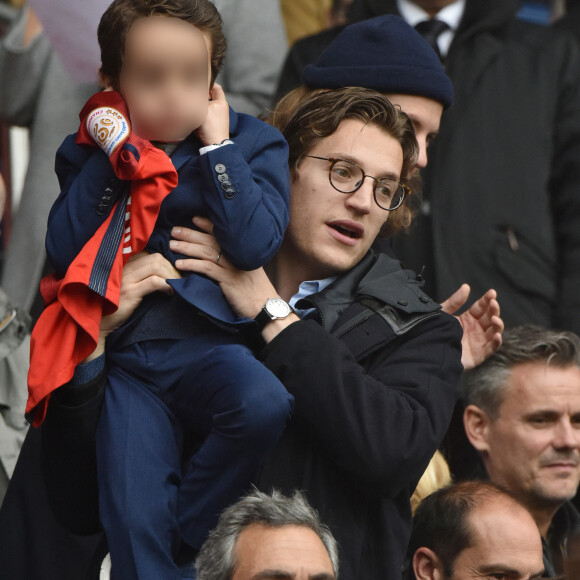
277, 308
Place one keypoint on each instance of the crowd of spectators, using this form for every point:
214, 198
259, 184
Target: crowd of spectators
424, 441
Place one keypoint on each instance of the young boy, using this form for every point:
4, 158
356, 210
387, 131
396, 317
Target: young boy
178, 370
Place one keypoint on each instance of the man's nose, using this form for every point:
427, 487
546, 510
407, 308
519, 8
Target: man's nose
362, 199
422, 159
566, 435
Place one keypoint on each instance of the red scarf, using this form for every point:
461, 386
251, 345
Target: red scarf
68, 329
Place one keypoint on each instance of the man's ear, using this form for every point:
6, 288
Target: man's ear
476, 424
427, 565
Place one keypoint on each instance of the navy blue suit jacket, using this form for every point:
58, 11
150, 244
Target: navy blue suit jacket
249, 207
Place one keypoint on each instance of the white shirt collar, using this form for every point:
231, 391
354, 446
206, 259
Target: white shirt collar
451, 15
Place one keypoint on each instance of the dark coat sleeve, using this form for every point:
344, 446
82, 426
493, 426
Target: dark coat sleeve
69, 457
379, 420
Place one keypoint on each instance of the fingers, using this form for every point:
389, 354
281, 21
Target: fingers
143, 265
196, 244
217, 93
457, 299
203, 224
149, 285
146, 273
203, 252
487, 305
219, 272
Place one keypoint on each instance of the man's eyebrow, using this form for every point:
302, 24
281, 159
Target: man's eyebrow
347, 157
543, 413
272, 575
501, 568
282, 575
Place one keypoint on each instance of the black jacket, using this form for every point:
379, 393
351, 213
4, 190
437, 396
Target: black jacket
373, 398
375, 379
503, 180
565, 524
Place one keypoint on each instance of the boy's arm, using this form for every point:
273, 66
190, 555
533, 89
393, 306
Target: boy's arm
89, 189
247, 185
92, 183
249, 208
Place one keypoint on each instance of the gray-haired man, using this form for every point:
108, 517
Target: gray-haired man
271, 537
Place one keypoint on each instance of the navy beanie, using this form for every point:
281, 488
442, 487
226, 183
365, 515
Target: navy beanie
384, 54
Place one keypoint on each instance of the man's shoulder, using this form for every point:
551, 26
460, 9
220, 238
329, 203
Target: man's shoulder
528, 40
387, 293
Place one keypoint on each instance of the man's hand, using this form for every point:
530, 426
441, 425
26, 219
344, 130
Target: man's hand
245, 291
216, 127
482, 325
143, 274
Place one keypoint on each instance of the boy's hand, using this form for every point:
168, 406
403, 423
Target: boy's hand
216, 127
105, 122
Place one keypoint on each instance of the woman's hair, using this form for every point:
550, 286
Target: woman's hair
122, 14
306, 116
435, 477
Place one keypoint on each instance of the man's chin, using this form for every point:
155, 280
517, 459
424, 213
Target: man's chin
555, 495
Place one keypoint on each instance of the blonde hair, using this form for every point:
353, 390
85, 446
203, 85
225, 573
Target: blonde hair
436, 476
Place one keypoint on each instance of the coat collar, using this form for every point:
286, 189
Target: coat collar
378, 277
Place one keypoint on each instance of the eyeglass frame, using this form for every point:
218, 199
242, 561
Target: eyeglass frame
333, 160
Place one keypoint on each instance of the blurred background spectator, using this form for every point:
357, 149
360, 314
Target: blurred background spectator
254, 31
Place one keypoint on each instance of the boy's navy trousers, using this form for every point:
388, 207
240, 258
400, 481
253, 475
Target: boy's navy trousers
160, 395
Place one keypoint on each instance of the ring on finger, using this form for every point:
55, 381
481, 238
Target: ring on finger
218, 257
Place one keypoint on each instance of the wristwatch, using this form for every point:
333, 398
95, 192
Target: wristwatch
274, 309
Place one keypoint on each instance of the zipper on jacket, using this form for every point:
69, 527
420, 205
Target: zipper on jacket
356, 322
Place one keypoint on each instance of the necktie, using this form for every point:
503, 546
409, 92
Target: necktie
430, 30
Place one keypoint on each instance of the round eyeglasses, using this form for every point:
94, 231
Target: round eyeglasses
346, 176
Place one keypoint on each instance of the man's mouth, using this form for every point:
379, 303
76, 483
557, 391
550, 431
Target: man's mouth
349, 229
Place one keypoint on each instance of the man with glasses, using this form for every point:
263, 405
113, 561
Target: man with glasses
372, 365
500, 198
347, 177
372, 362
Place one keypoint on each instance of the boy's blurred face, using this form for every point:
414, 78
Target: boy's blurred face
165, 77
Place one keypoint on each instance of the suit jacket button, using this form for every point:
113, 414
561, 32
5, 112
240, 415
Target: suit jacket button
402, 303
424, 299
220, 168
222, 177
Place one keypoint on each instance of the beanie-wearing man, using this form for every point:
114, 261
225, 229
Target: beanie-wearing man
412, 77
505, 169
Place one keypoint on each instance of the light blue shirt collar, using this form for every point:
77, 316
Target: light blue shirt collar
306, 289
